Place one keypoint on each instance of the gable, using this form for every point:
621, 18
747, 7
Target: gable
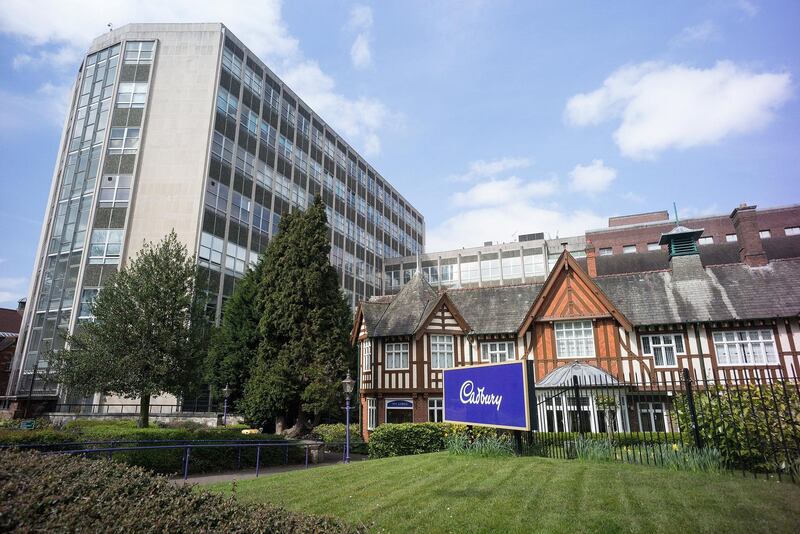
444, 317
569, 293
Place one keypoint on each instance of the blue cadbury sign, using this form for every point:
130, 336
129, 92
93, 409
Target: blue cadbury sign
488, 395
399, 404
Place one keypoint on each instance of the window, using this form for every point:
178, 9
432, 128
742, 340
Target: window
653, 246
469, 271
652, 417
707, 240
139, 52
372, 414
435, 410
366, 355
512, 267
240, 207
105, 246
131, 95
123, 141
227, 103
629, 249
252, 80
745, 347
210, 249
431, 274
730, 238
534, 264
217, 196
605, 251
235, 258
441, 352
663, 348
88, 297
764, 234
792, 230
396, 356
497, 351
222, 148
231, 63
574, 339
490, 270
115, 190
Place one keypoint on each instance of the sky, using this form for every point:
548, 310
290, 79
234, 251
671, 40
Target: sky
492, 118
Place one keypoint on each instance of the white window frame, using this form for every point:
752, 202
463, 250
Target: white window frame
497, 351
436, 406
102, 250
728, 342
658, 345
649, 410
764, 234
372, 413
629, 249
396, 356
126, 143
792, 230
706, 240
653, 246
366, 355
139, 52
442, 347
120, 187
131, 94
605, 251
562, 331
731, 238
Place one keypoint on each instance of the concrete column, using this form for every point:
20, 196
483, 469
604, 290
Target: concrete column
522, 262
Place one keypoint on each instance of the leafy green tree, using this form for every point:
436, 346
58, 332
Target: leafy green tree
146, 338
234, 345
305, 324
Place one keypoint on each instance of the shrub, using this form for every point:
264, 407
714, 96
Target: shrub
53, 493
38, 423
406, 438
755, 427
336, 432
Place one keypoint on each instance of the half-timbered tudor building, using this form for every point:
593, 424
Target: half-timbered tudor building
622, 331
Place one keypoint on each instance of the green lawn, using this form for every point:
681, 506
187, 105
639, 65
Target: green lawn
444, 493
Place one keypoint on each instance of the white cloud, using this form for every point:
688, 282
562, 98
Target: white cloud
498, 192
664, 106
504, 223
489, 169
360, 54
632, 197
42, 108
498, 208
361, 22
592, 178
11, 290
700, 33
747, 7
56, 33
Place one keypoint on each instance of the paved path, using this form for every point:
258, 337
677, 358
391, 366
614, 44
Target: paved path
244, 474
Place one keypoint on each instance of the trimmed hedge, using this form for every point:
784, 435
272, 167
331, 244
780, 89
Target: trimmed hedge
54, 493
619, 440
163, 461
406, 438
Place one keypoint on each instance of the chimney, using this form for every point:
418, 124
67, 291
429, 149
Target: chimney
591, 260
21, 305
684, 257
751, 251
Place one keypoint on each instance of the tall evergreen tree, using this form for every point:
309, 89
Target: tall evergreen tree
234, 344
305, 325
147, 333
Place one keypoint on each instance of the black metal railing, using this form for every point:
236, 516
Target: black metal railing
744, 420
125, 409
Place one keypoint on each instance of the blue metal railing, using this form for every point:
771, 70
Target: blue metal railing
186, 445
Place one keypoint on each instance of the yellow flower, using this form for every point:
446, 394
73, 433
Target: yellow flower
675, 447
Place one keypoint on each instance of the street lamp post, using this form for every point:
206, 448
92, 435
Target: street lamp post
347, 384
226, 392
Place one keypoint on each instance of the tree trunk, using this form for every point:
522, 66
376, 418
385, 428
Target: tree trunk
299, 427
144, 410
280, 424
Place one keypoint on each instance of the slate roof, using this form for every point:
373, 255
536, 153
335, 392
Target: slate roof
724, 292
495, 310
714, 293
406, 310
587, 375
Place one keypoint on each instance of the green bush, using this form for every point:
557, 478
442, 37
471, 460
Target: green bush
38, 423
406, 438
623, 439
754, 428
336, 432
53, 493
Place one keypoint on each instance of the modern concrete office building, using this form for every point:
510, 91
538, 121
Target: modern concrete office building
180, 126
527, 260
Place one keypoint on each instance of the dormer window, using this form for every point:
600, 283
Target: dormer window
574, 339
